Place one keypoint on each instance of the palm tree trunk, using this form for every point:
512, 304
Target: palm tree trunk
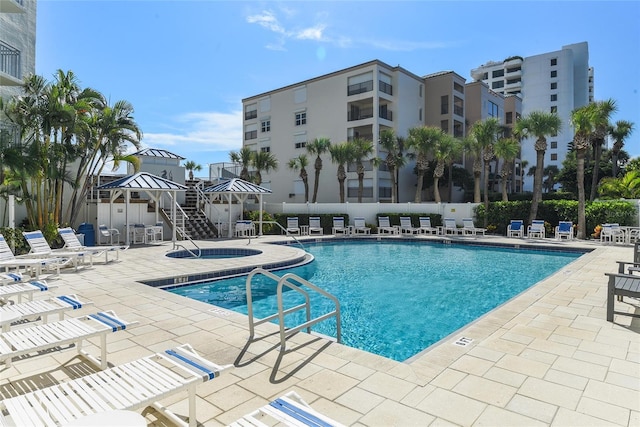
596, 172
436, 190
614, 167
315, 185
537, 185
476, 188
341, 186
418, 198
394, 195
505, 196
582, 221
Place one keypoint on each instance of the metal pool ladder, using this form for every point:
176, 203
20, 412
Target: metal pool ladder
288, 281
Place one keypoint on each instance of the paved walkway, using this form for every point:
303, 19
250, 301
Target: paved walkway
547, 357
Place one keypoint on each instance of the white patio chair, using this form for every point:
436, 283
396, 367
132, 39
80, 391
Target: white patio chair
40, 248
34, 265
314, 225
105, 233
384, 226
339, 227
536, 229
72, 243
469, 228
515, 228
360, 227
426, 227
292, 225
406, 227
449, 226
564, 230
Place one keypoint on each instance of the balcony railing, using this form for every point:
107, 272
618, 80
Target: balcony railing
363, 113
458, 110
385, 114
248, 115
10, 60
366, 137
385, 87
360, 88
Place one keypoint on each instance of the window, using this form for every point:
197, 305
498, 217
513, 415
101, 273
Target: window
485, 76
497, 85
444, 125
301, 144
554, 109
492, 109
554, 144
300, 95
458, 106
384, 83
554, 97
444, 104
513, 81
554, 85
514, 69
509, 117
458, 129
251, 131
420, 114
458, 87
352, 187
251, 112
554, 73
301, 118
554, 156
265, 149
420, 91
265, 126
497, 73
554, 61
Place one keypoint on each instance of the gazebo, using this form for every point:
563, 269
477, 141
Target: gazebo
239, 190
153, 185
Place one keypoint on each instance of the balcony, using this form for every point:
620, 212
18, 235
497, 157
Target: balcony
359, 114
357, 88
12, 6
383, 113
385, 87
10, 69
248, 115
252, 134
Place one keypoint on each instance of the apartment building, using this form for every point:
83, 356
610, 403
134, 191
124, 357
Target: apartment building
17, 50
357, 102
558, 81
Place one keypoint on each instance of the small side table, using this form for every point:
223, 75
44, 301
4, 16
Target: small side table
304, 230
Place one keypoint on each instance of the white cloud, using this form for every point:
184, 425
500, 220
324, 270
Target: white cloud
202, 131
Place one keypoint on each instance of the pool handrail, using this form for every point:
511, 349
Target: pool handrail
285, 281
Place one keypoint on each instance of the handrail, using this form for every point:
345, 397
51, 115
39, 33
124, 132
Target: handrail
178, 245
285, 231
286, 280
207, 202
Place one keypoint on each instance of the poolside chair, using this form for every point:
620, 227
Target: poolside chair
40, 248
23, 289
469, 228
384, 226
290, 410
449, 227
40, 309
339, 227
612, 233
515, 228
314, 225
621, 285
406, 227
426, 227
245, 228
16, 277
36, 339
536, 229
72, 243
292, 225
360, 227
105, 233
564, 229
9, 261
129, 386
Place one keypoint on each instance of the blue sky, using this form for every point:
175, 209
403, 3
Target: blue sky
186, 65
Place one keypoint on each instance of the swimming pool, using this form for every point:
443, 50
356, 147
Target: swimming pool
397, 298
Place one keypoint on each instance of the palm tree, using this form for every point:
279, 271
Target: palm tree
506, 149
473, 146
619, 133
538, 124
486, 133
318, 147
421, 141
341, 154
627, 187
601, 124
445, 151
581, 119
191, 166
263, 161
300, 163
395, 160
361, 150
243, 157
550, 174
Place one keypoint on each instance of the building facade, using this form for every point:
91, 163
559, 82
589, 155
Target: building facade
558, 81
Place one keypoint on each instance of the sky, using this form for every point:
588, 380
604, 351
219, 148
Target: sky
185, 66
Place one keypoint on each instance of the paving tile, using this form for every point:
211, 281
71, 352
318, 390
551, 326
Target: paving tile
472, 365
391, 413
522, 365
387, 386
328, 384
484, 390
360, 400
567, 417
601, 410
613, 394
448, 379
532, 408
493, 416
584, 369
549, 392
449, 406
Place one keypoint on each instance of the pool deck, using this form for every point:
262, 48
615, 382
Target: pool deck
546, 357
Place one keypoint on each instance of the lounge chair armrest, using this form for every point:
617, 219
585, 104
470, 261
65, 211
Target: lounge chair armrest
623, 264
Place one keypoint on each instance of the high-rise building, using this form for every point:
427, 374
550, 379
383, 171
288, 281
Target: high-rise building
17, 48
558, 81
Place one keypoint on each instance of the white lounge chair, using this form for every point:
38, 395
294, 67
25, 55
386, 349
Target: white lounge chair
339, 227
515, 228
32, 310
290, 410
426, 227
314, 225
384, 226
72, 243
406, 227
245, 228
35, 339
449, 227
21, 289
612, 233
536, 229
292, 225
469, 228
13, 277
130, 386
360, 227
9, 261
40, 248
105, 233
564, 230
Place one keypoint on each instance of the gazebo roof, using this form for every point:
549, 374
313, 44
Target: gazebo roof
143, 181
237, 186
156, 152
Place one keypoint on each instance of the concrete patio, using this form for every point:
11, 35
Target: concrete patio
547, 357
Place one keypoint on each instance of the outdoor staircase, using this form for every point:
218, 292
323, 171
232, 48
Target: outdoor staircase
197, 225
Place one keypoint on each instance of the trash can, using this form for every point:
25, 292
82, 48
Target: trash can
89, 234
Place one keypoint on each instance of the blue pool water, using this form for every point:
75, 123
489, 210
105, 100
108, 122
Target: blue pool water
397, 298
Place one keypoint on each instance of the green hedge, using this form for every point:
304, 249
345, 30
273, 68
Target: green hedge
554, 211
